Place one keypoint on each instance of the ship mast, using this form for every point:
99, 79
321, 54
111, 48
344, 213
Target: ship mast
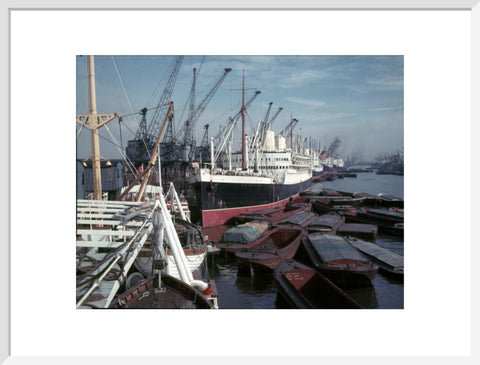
243, 122
94, 122
243, 112
291, 132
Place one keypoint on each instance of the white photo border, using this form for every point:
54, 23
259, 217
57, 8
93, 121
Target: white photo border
5, 248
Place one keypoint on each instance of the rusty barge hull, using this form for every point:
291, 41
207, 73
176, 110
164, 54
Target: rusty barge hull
305, 288
280, 244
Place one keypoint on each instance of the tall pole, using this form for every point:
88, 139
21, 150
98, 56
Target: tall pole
243, 123
243, 112
94, 121
97, 175
291, 132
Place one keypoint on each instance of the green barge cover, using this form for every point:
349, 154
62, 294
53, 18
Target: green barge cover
245, 233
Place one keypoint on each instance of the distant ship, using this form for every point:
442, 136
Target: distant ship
317, 167
331, 163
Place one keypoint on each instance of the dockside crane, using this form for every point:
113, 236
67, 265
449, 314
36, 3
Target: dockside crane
188, 128
205, 136
201, 152
191, 97
142, 128
140, 148
163, 104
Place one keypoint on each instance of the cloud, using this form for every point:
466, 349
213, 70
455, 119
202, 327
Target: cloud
390, 108
316, 103
359, 99
387, 83
331, 116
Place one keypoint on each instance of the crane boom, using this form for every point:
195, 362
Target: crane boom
262, 126
290, 126
192, 95
188, 127
189, 124
155, 125
140, 148
273, 118
268, 111
288, 131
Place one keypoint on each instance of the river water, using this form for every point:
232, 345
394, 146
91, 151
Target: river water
260, 291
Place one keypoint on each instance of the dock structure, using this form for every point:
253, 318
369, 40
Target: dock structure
389, 262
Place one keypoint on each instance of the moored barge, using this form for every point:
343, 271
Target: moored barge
305, 288
334, 257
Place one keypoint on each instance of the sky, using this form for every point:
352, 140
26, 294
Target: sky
358, 99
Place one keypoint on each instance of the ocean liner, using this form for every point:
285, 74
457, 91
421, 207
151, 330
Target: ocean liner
265, 174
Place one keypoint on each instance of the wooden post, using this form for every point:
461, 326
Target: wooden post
94, 122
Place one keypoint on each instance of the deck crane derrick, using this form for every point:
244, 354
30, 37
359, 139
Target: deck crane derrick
257, 138
288, 131
288, 128
269, 125
225, 134
139, 149
268, 111
188, 143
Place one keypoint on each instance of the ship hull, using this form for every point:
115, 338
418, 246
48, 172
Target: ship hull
317, 172
220, 201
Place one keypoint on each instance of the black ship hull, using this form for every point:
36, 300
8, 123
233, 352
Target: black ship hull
221, 201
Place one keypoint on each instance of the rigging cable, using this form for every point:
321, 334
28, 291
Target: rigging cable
156, 88
128, 99
129, 163
123, 86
